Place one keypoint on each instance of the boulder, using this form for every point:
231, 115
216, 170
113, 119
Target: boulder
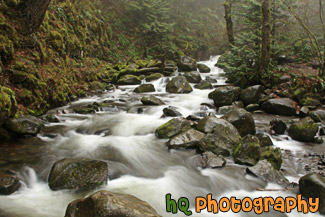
154, 77
225, 95
225, 109
129, 80
304, 111
193, 77
77, 173
187, 139
171, 111
145, 88
265, 139
110, 204
320, 113
203, 68
252, 107
298, 94
210, 160
278, 126
222, 140
242, 120
173, 127
304, 130
186, 64
51, 118
179, 84
24, 126
151, 100
207, 124
273, 156
8, 184
8, 104
266, 172
313, 186
248, 151
203, 85
282, 106
252, 94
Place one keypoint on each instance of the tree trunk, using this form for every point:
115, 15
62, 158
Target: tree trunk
230, 31
33, 12
266, 35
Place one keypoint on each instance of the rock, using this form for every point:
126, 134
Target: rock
304, 111
145, 88
186, 64
283, 106
51, 118
252, 107
273, 156
265, 140
203, 68
211, 79
252, 94
24, 126
84, 110
224, 95
265, 171
225, 109
298, 94
8, 104
172, 128
278, 126
313, 115
203, 85
223, 139
193, 77
77, 173
151, 100
154, 77
8, 184
210, 160
304, 130
187, 139
171, 111
248, 152
110, 204
179, 84
97, 87
207, 124
242, 120
313, 186
310, 102
320, 113
129, 80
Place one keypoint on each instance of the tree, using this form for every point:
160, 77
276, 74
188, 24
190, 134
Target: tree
229, 24
266, 36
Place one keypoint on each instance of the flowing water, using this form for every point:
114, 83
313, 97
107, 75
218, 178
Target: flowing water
140, 164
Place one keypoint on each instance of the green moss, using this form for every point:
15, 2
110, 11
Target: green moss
6, 49
8, 104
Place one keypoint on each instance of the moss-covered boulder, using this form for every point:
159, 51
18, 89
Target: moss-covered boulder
298, 94
178, 85
186, 140
313, 186
251, 94
207, 124
24, 126
186, 64
265, 139
151, 100
154, 76
193, 77
304, 130
203, 68
172, 128
222, 140
273, 156
131, 69
8, 104
283, 106
109, 204
8, 184
203, 85
97, 87
248, 151
129, 80
145, 88
225, 95
77, 173
242, 120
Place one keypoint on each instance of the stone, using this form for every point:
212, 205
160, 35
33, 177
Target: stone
203, 85
252, 107
129, 80
24, 126
203, 68
151, 100
210, 160
224, 95
278, 126
145, 88
186, 64
273, 156
188, 139
193, 77
248, 151
252, 94
179, 85
154, 77
265, 139
173, 127
8, 184
304, 130
282, 106
304, 111
207, 124
171, 111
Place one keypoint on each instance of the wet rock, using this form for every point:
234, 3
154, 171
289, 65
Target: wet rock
210, 160
172, 128
24, 126
8, 104
252, 94
207, 124
187, 139
320, 113
223, 139
97, 87
278, 126
315, 117
265, 171
265, 140
203, 85
8, 184
252, 107
186, 64
224, 95
211, 79
283, 106
179, 84
77, 173
145, 88
129, 80
51, 118
193, 77
193, 118
313, 186
242, 120
171, 111
248, 151
304, 130
225, 109
154, 77
203, 68
84, 110
151, 100
273, 156
304, 111
106, 204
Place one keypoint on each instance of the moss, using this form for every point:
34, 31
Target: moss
8, 104
6, 49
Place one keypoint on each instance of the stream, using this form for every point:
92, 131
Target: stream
140, 164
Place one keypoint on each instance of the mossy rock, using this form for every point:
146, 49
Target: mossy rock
203, 85
203, 68
248, 152
265, 139
193, 77
24, 126
97, 86
172, 128
273, 156
179, 85
129, 80
8, 104
225, 95
151, 100
6, 49
145, 88
299, 93
154, 77
304, 130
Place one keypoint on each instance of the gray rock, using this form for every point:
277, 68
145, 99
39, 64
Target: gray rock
320, 113
265, 140
8, 184
172, 128
186, 64
252, 94
178, 85
304, 111
151, 100
248, 152
278, 126
187, 139
203, 85
207, 124
145, 88
171, 111
24, 126
225, 95
210, 160
283, 106
304, 130
203, 68
193, 77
